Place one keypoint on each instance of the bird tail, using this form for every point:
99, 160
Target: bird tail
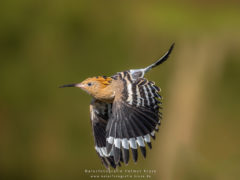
161, 60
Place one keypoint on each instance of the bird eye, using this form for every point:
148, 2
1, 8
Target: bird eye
89, 84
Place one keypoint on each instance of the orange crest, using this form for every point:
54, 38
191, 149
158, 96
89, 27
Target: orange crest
103, 80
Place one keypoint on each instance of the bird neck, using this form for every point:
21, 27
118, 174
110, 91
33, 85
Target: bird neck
105, 94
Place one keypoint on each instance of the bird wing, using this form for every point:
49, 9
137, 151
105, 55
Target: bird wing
135, 117
100, 112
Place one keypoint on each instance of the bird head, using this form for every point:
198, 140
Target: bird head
98, 87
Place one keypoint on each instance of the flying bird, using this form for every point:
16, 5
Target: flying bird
125, 113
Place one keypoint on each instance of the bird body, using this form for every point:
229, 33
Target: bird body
124, 113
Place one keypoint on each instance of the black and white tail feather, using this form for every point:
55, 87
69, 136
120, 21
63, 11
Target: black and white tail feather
130, 122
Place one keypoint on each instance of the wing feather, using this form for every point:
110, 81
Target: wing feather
135, 118
99, 118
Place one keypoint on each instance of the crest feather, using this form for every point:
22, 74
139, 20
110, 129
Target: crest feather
102, 79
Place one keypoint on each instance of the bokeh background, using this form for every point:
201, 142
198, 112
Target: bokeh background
45, 132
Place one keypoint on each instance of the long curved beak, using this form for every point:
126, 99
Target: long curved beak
72, 85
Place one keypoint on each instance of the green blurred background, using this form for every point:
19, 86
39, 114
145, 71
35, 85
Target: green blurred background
45, 131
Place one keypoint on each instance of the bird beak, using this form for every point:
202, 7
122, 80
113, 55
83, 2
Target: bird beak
80, 85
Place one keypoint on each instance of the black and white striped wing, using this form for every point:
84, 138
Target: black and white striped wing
134, 119
100, 112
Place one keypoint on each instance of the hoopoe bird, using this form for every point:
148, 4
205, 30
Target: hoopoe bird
124, 113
